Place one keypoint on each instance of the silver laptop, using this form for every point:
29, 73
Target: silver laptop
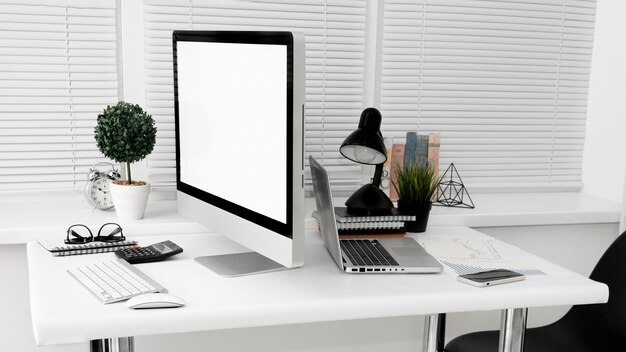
382, 255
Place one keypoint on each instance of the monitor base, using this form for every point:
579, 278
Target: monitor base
239, 264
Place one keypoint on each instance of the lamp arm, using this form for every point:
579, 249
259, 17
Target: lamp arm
378, 175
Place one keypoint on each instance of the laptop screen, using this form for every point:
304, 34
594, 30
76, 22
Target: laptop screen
324, 203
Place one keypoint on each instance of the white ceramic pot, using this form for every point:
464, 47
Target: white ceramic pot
130, 201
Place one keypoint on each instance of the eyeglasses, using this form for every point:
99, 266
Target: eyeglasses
79, 233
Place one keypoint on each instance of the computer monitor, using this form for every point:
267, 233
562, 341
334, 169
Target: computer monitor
239, 100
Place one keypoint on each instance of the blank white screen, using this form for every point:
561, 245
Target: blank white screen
232, 101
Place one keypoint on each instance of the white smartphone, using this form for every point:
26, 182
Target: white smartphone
491, 277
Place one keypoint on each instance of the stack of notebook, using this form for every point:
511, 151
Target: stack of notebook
61, 250
349, 225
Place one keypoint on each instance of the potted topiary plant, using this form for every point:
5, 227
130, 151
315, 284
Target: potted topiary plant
416, 184
126, 134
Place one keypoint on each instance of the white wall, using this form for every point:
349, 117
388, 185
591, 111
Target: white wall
604, 161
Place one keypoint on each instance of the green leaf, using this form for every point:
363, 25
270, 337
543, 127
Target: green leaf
416, 182
125, 133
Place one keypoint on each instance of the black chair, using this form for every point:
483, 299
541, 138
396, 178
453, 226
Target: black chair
584, 328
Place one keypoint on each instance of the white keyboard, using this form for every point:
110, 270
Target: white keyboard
115, 280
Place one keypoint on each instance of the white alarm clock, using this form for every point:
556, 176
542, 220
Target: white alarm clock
97, 187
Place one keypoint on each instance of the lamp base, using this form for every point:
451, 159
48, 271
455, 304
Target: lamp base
369, 200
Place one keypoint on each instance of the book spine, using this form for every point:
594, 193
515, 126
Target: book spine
434, 143
410, 148
421, 149
397, 160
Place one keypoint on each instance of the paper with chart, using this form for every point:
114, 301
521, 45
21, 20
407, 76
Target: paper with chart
473, 254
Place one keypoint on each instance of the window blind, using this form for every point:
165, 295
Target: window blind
57, 72
335, 40
505, 82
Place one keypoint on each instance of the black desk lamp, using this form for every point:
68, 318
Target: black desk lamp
366, 146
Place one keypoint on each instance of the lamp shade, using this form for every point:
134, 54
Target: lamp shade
366, 145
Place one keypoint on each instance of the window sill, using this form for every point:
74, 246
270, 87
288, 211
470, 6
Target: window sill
47, 216
519, 209
30, 216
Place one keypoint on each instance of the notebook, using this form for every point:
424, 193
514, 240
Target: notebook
382, 255
342, 216
60, 250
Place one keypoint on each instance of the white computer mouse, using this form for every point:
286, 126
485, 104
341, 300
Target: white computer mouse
155, 300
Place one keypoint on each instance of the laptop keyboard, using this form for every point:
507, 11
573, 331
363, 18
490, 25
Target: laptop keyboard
367, 253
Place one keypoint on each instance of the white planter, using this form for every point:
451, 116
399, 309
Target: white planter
130, 201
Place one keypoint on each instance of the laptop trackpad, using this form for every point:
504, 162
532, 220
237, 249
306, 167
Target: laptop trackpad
406, 251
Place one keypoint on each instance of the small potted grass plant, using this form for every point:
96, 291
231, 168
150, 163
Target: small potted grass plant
125, 133
416, 184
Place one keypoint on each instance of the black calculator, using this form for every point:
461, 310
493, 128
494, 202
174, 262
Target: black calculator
152, 253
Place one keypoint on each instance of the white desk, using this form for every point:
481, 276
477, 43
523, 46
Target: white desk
65, 312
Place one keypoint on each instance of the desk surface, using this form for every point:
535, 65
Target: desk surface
65, 312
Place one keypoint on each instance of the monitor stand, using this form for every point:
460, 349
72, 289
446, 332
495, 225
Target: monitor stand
239, 264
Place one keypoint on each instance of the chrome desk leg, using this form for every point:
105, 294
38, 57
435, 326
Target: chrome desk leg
115, 344
431, 324
512, 330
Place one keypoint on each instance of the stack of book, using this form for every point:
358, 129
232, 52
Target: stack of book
349, 225
417, 148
